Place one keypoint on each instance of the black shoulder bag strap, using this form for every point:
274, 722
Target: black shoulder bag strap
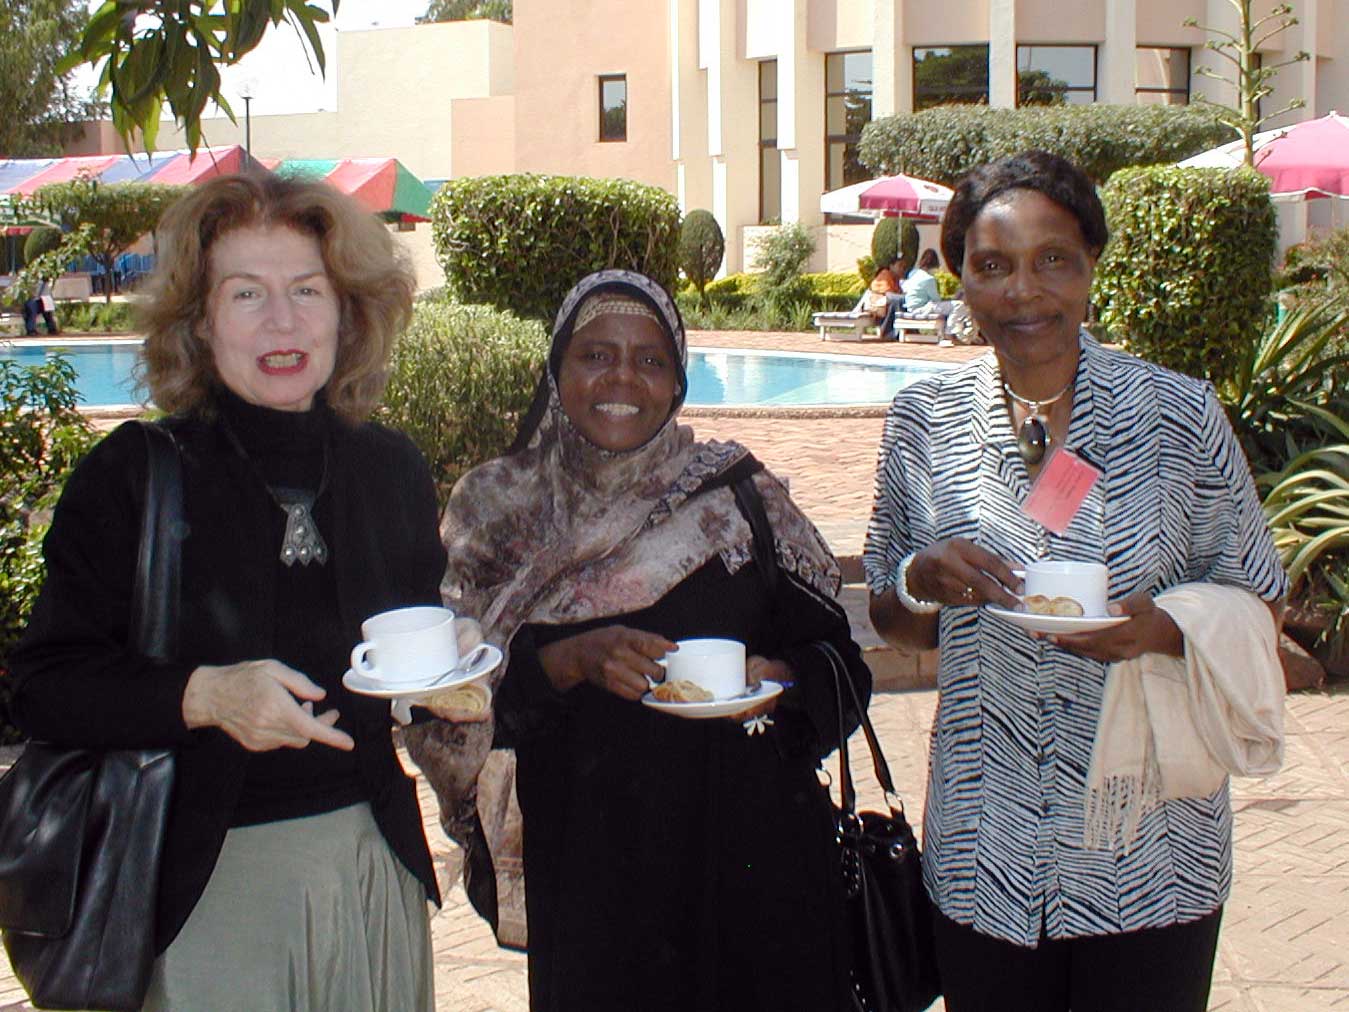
154, 600
765, 551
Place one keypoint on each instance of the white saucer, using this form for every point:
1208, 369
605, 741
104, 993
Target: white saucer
364, 686
717, 707
1065, 624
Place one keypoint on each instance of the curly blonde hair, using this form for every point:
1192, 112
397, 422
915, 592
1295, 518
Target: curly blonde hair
374, 285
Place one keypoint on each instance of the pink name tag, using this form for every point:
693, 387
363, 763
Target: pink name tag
1060, 490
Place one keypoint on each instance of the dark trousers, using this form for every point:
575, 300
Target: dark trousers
1153, 970
31, 309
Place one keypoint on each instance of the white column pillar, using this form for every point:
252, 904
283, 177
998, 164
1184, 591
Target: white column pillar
800, 117
1002, 53
891, 62
1117, 72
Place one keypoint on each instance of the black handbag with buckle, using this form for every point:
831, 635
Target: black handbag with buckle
889, 915
82, 830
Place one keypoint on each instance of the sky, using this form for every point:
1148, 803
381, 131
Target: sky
282, 81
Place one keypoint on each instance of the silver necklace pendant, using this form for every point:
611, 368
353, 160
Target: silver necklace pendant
1032, 439
303, 543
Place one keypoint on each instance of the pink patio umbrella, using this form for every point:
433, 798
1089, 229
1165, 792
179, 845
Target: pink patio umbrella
1303, 162
894, 196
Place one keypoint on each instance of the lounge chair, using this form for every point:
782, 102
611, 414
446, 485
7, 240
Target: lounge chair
856, 321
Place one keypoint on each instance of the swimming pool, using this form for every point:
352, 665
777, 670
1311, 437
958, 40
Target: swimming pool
718, 377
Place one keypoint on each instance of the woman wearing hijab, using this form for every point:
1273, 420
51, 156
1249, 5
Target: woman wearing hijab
668, 863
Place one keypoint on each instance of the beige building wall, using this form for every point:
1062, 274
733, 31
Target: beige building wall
497, 98
398, 94
562, 47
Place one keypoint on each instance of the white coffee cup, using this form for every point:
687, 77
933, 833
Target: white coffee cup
1087, 583
716, 665
408, 646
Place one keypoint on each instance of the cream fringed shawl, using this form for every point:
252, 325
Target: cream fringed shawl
1173, 728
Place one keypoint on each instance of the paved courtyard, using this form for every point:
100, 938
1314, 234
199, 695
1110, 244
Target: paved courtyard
1285, 939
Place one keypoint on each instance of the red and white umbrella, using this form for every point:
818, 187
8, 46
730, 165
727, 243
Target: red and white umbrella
1303, 162
894, 196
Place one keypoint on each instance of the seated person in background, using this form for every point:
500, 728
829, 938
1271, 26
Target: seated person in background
41, 302
884, 285
917, 296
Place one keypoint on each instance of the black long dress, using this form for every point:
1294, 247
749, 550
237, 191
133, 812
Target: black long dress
676, 864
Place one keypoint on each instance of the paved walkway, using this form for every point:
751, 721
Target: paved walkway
1285, 940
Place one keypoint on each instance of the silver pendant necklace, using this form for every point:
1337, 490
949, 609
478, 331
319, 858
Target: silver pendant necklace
302, 541
1032, 438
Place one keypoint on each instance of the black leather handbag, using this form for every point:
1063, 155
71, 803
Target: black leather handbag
81, 830
894, 965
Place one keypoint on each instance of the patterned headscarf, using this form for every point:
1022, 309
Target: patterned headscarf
560, 531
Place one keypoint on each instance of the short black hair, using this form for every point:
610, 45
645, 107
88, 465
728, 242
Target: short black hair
1055, 177
929, 260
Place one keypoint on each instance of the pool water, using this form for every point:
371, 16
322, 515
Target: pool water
797, 379
717, 377
103, 369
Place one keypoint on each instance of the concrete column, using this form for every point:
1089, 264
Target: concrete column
892, 90
1002, 53
1116, 70
732, 122
800, 118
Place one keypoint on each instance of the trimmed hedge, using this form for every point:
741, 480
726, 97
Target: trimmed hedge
519, 242
701, 248
1185, 279
945, 142
460, 379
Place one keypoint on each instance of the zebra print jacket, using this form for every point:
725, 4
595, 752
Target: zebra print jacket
1016, 718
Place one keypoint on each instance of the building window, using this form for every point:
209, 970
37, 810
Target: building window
770, 162
847, 108
1162, 76
1055, 75
952, 75
614, 107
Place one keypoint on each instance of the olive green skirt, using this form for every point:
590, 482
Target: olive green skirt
305, 915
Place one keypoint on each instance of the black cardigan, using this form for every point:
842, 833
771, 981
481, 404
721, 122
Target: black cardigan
76, 683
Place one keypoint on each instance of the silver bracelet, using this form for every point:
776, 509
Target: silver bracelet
918, 607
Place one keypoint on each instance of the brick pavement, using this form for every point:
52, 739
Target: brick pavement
1285, 940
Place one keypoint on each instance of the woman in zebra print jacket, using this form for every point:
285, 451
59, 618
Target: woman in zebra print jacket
1029, 917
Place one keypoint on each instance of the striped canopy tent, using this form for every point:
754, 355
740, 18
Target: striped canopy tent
384, 185
24, 176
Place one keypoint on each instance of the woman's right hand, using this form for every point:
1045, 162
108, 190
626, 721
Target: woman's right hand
614, 658
258, 704
959, 572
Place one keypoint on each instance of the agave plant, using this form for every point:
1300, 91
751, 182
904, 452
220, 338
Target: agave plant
1292, 386
1307, 506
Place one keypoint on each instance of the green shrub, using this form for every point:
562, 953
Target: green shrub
460, 379
884, 243
520, 242
945, 142
866, 268
44, 436
41, 240
96, 317
947, 283
1322, 261
783, 252
734, 303
890, 238
828, 284
701, 248
1185, 278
